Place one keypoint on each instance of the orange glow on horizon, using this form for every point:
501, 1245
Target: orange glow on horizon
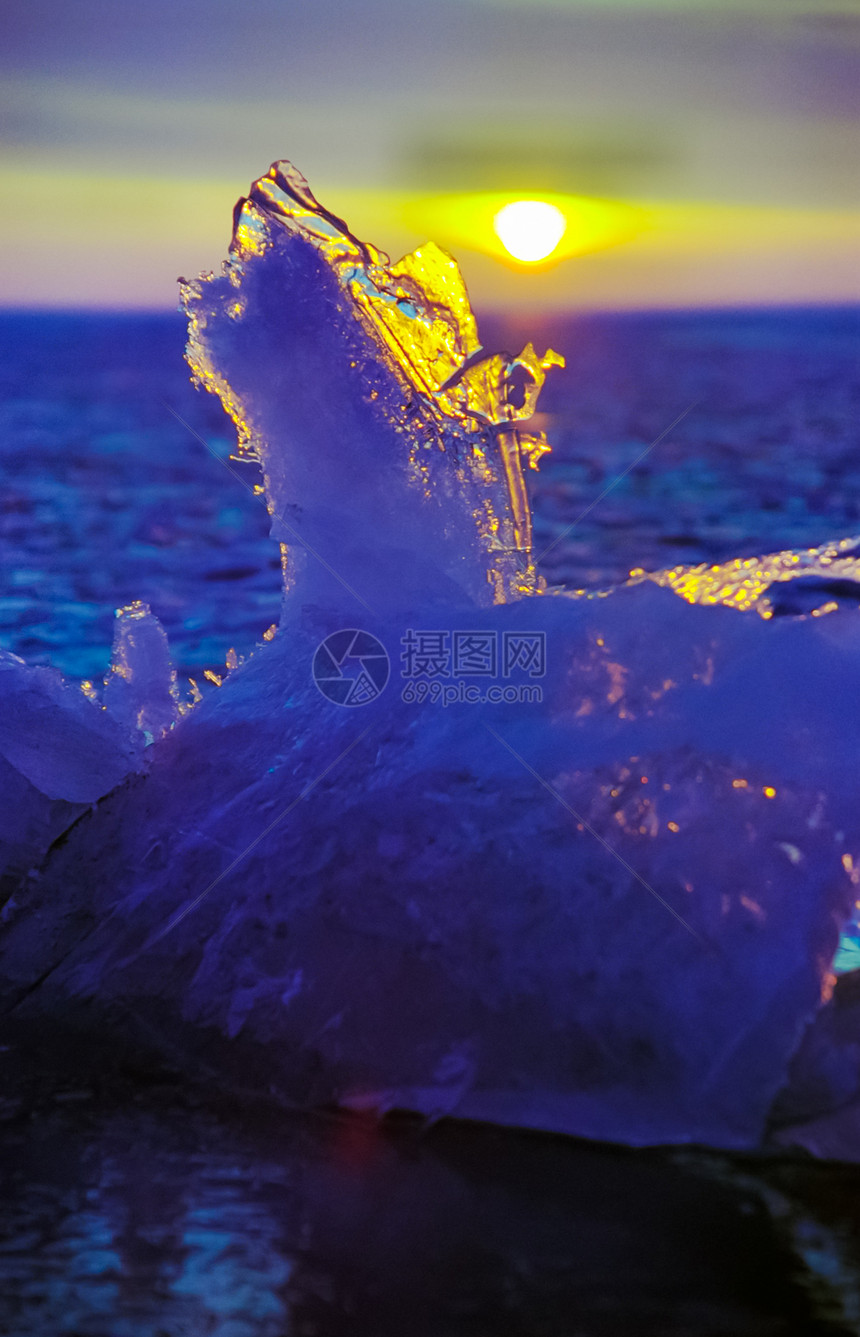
121, 241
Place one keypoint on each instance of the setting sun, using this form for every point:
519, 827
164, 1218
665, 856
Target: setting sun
530, 230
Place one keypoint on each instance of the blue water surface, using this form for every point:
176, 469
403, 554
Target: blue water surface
107, 498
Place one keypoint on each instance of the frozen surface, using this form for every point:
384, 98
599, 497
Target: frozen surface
613, 913
430, 928
58, 754
140, 690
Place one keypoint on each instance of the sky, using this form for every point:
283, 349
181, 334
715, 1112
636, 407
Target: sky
726, 136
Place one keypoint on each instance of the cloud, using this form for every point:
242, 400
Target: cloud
154, 108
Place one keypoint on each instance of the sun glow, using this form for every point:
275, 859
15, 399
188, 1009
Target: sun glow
530, 230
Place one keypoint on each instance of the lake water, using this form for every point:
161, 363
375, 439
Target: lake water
108, 498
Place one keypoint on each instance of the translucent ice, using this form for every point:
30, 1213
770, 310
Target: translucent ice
140, 689
612, 912
364, 391
815, 581
58, 754
432, 928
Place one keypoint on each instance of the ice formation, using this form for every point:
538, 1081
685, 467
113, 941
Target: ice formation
611, 912
354, 351
58, 755
140, 690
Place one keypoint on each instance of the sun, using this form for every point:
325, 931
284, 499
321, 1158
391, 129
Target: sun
530, 230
